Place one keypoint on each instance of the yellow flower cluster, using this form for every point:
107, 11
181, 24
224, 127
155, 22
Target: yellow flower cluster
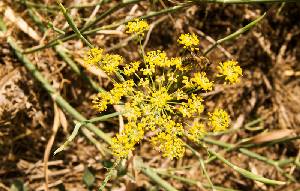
93, 56
219, 120
189, 41
170, 145
131, 68
199, 81
196, 132
160, 97
107, 62
159, 58
137, 27
230, 70
124, 143
102, 99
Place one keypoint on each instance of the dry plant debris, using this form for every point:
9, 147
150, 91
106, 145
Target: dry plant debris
263, 136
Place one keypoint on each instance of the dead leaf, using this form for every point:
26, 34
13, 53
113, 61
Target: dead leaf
9, 14
63, 120
271, 136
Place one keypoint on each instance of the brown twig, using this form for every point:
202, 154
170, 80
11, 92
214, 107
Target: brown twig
56, 124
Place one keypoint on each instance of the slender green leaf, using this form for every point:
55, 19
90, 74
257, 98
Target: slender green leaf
88, 178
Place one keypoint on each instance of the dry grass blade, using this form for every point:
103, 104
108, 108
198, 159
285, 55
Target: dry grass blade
56, 124
271, 136
9, 14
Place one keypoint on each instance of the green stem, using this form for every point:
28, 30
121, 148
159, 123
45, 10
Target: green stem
38, 5
79, 124
202, 165
2, 25
78, 6
232, 147
153, 176
194, 182
246, 173
102, 118
73, 25
235, 34
109, 174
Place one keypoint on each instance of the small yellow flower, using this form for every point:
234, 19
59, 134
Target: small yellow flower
135, 132
131, 68
93, 56
194, 106
173, 128
107, 62
124, 142
156, 58
202, 81
219, 120
160, 98
132, 112
100, 101
148, 71
196, 132
144, 82
230, 70
187, 82
184, 110
137, 27
190, 41
110, 63
179, 94
171, 146
121, 146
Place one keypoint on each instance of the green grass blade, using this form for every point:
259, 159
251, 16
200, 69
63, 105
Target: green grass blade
235, 34
73, 25
246, 173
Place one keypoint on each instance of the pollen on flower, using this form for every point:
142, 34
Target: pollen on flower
193, 107
121, 146
189, 41
137, 27
156, 58
230, 70
219, 120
